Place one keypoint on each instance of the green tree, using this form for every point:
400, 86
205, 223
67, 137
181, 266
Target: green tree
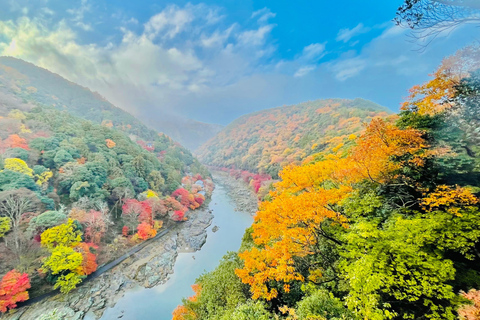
5, 223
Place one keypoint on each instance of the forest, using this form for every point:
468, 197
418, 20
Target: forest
383, 226
364, 212
75, 195
266, 141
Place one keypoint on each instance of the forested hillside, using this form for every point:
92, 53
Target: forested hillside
23, 85
388, 229
75, 193
265, 141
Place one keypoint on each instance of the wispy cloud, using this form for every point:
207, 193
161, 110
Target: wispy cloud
78, 15
263, 15
348, 68
346, 34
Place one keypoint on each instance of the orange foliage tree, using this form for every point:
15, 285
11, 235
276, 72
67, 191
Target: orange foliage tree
436, 95
181, 312
15, 141
13, 289
471, 312
89, 262
307, 199
110, 143
145, 231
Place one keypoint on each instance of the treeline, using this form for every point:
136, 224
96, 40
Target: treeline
265, 141
388, 228
75, 195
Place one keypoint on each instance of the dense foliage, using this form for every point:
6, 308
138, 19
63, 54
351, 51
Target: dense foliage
387, 229
74, 194
265, 141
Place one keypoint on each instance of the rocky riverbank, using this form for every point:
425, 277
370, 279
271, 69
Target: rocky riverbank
241, 195
147, 268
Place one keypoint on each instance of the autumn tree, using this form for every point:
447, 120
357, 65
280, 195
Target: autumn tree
18, 165
145, 231
5, 223
89, 261
13, 289
65, 235
70, 259
305, 204
135, 212
470, 312
67, 265
94, 221
110, 143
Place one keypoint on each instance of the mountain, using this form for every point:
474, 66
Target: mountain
190, 133
80, 179
24, 85
267, 140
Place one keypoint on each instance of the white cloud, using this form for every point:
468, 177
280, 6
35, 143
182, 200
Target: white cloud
303, 71
348, 68
190, 60
217, 38
147, 67
263, 15
255, 37
78, 15
169, 22
313, 51
346, 34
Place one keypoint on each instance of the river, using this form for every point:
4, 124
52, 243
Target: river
159, 302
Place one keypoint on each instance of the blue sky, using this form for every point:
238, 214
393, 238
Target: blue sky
216, 60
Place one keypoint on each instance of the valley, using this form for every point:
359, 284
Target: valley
213, 160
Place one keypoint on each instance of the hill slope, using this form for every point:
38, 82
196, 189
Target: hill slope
22, 83
267, 140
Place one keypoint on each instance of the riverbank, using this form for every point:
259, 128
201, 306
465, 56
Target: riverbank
241, 195
146, 268
224, 235
150, 267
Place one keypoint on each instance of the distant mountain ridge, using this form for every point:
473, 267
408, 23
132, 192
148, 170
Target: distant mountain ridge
21, 83
267, 140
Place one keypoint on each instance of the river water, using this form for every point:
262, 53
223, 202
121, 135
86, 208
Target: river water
158, 303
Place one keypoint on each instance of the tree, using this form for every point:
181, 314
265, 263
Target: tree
400, 263
18, 165
219, 291
89, 261
67, 282
15, 141
61, 157
156, 181
437, 95
95, 223
470, 312
432, 17
13, 204
306, 205
145, 231
4, 225
65, 235
13, 289
178, 216
135, 212
46, 220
